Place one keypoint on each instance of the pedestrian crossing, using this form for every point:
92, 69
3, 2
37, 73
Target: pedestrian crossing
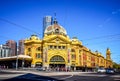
116, 76
100, 75
95, 75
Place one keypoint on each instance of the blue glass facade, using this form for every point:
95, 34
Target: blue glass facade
47, 20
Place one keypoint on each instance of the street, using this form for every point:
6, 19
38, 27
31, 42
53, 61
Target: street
56, 76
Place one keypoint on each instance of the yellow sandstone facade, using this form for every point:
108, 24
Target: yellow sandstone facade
57, 50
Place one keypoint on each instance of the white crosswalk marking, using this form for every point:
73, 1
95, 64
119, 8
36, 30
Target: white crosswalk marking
115, 76
103, 75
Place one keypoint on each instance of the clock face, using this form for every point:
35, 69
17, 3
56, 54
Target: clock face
56, 30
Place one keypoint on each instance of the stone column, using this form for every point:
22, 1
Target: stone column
45, 57
68, 66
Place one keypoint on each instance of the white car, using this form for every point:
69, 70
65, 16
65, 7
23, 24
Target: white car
40, 69
101, 70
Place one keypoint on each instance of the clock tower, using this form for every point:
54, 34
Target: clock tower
108, 54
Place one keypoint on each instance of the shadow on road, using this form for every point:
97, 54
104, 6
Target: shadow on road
32, 77
6, 72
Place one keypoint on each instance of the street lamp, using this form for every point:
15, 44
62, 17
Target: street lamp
23, 63
17, 61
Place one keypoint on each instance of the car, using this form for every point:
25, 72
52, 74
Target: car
101, 70
40, 69
110, 71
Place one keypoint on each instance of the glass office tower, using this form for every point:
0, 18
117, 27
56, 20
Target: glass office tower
47, 21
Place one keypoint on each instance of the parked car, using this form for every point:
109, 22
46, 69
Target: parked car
40, 69
101, 70
110, 71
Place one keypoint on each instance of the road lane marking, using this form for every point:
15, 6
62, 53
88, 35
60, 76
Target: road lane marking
101, 75
93, 75
115, 76
117, 79
67, 77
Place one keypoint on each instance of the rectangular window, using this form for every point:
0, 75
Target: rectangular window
37, 55
50, 47
55, 47
79, 51
29, 49
59, 47
73, 56
63, 47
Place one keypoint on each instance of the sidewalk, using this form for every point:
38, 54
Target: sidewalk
45, 73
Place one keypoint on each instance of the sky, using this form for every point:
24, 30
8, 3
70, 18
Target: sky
96, 23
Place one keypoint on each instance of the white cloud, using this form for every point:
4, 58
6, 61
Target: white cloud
114, 12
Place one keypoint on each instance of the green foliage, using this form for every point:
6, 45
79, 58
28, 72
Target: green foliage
115, 65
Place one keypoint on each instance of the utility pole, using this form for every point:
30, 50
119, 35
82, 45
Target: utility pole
17, 61
23, 60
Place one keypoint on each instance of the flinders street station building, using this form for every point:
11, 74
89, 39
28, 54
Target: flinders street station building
57, 51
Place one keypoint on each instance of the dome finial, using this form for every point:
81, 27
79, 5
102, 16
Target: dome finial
55, 20
55, 15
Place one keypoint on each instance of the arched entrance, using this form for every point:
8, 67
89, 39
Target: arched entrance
57, 63
38, 64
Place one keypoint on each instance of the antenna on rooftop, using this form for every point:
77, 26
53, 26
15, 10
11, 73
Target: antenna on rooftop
55, 20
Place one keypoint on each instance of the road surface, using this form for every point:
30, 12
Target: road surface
56, 76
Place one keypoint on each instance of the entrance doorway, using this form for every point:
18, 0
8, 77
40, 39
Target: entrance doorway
57, 63
38, 64
57, 67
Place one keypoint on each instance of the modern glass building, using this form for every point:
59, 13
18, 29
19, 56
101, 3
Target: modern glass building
5, 51
47, 20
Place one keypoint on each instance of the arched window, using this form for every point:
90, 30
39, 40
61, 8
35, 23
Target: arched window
72, 50
38, 49
57, 58
29, 49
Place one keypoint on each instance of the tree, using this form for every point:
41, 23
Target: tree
116, 66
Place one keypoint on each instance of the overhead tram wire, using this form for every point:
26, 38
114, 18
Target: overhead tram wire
106, 36
3, 37
18, 25
102, 42
101, 37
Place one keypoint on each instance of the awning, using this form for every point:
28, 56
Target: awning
21, 57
